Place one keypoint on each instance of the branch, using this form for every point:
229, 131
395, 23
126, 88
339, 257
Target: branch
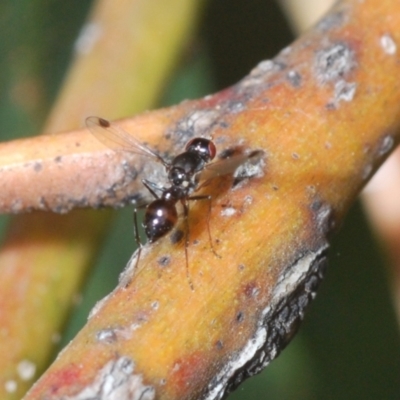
325, 112
118, 69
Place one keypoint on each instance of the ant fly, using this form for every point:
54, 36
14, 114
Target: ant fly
187, 172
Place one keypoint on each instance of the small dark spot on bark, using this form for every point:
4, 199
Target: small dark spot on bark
77, 144
42, 203
280, 65
219, 345
316, 205
164, 261
176, 236
324, 217
294, 78
155, 305
37, 166
241, 267
240, 316
58, 159
251, 290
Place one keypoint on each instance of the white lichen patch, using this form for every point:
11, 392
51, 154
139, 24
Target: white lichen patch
129, 271
228, 212
290, 278
386, 145
294, 78
10, 386
333, 65
334, 62
261, 348
260, 73
344, 91
324, 219
198, 122
367, 171
26, 370
286, 50
111, 335
252, 168
263, 67
106, 335
248, 200
116, 381
97, 307
388, 44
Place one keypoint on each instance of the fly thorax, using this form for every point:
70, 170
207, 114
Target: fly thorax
188, 163
174, 193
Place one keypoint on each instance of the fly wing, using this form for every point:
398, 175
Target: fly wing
116, 138
228, 165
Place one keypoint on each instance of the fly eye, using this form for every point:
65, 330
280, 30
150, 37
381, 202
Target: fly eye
212, 150
204, 147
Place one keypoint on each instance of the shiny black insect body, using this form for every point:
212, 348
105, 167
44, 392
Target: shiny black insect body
187, 173
161, 214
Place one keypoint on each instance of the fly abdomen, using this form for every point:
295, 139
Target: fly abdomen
160, 217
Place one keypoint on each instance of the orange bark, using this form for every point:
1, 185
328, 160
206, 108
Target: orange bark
326, 114
118, 69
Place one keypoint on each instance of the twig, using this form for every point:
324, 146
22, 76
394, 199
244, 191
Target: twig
325, 112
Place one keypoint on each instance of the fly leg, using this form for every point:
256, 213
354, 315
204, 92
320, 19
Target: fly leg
128, 280
151, 187
186, 218
208, 198
137, 239
148, 186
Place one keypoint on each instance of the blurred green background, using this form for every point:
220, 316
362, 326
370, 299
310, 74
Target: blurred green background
348, 346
